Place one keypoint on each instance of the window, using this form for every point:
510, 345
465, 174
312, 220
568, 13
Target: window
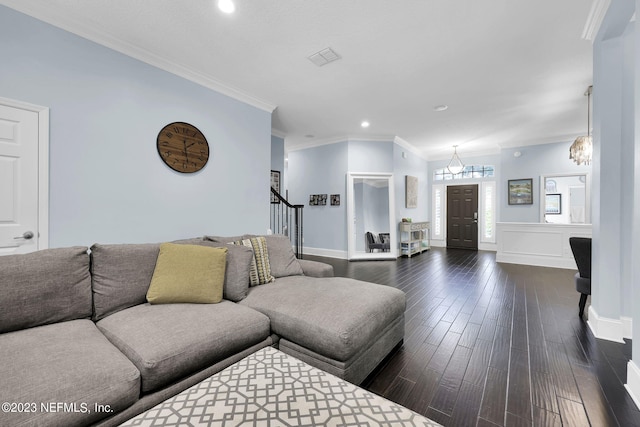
469, 171
437, 229
488, 209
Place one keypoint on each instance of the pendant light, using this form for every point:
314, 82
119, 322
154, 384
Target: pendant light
581, 149
455, 166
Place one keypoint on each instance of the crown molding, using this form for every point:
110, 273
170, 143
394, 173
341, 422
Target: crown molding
337, 139
52, 17
359, 138
408, 146
278, 133
595, 18
466, 154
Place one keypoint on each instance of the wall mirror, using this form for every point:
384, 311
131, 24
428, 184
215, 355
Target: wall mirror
565, 199
371, 222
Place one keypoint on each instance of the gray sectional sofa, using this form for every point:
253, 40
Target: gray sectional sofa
80, 345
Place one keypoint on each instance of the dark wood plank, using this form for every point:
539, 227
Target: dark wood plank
543, 392
467, 407
519, 391
423, 391
444, 399
495, 396
472, 324
501, 349
476, 372
456, 368
572, 413
544, 418
440, 360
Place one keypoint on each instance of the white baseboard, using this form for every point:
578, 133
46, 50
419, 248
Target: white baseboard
605, 328
329, 253
538, 261
633, 382
492, 247
481, 246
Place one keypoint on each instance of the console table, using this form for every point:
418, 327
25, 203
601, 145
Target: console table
414, 237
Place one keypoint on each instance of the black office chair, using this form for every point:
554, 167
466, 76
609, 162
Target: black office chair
581, 248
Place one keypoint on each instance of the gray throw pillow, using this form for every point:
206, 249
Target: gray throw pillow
282, 259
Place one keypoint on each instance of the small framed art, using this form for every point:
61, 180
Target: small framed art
275, 184
520, 191
553, 204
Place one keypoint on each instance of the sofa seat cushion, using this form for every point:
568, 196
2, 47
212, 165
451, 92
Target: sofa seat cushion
335, 316
64, 363
170, 341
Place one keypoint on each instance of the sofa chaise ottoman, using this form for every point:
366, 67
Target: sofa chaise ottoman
343, 326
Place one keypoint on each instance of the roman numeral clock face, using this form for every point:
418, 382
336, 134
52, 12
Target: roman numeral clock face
183, 147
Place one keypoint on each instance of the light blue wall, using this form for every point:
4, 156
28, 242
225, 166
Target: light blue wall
616, 204
535, 161
370, 156
321, 170
277, 160
107, 182
413, 165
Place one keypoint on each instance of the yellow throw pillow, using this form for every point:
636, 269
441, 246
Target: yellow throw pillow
188, 274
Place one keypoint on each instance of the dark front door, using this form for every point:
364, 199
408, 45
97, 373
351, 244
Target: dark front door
462, 216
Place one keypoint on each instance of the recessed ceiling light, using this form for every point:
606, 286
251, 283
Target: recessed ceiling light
365, 124
441, 107
226, 6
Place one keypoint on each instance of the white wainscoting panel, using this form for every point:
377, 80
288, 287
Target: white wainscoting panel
545, 245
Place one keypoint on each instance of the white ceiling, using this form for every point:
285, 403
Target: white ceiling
513, 72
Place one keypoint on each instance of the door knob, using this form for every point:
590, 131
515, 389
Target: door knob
26, 235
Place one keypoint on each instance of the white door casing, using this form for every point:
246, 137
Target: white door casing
24, 204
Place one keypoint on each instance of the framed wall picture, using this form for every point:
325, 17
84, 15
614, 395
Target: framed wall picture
520, 191
275, 184
553, 204
317, 199
335, 200
411, 191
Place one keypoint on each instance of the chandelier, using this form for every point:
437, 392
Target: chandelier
581, 149
455, 166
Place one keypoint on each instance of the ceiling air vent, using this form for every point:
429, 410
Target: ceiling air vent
324, 57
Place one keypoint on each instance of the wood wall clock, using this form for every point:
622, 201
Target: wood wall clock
183, 147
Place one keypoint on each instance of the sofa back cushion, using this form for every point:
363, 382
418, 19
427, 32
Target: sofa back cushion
282, 259
121, 275
43, 287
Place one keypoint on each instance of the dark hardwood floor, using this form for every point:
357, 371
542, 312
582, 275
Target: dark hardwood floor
489, 344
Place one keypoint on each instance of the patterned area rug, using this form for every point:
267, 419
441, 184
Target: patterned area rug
270, 388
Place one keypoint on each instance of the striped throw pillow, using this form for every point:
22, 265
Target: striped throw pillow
260, 271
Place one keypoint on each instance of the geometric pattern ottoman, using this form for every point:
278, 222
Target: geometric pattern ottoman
271, 388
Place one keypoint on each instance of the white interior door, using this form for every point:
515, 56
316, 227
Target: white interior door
19, 180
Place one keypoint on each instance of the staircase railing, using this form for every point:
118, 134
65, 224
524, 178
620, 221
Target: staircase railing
286, 219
